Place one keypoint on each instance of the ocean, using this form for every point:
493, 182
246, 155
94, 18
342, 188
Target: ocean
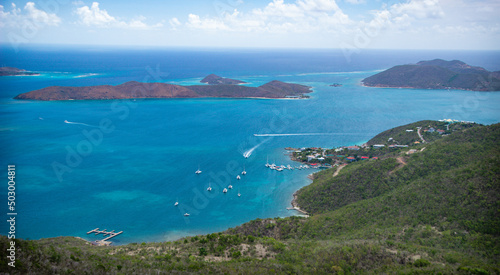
122, 164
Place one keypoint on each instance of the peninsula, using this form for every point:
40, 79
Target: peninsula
437, 74
134, 89
429, 208
11, 71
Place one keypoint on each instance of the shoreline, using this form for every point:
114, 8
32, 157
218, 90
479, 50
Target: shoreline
163, 98
416, 88
295, 205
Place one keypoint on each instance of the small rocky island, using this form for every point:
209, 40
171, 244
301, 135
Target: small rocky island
11, 71
437, 74
217, 80
134, 89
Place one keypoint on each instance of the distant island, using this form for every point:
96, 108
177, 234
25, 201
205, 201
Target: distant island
217, 80
11, 71
437, 74
134, 89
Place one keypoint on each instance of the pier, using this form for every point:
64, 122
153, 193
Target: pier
105, 233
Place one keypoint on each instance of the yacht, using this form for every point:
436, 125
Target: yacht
198, 171
209, 187
230, 187
186, 215
176, 203
239, 195
225, 190
267, 162
238, 177
244, 172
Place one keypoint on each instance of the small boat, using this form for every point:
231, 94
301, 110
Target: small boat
239, 195
244, 172
230, 187
225, 190
238, 177
267, 162
176, 203
186, 215
209, 187
198, 171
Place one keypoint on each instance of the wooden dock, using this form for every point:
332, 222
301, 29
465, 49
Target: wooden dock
111, 234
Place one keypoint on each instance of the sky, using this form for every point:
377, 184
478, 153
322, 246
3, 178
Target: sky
341, 24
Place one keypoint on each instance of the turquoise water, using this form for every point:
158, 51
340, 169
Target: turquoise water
128, 175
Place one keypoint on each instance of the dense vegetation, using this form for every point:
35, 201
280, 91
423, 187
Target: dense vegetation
434, 211
437, 74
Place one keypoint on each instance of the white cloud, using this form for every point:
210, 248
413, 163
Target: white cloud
419, 9
278, 17
174, 22
30, 15
97, 17
355, 2
401, 16
194, 21
94, 16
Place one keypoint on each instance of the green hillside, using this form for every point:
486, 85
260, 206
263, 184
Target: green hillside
435, 211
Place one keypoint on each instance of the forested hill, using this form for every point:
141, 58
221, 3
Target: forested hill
437, 74
429, 208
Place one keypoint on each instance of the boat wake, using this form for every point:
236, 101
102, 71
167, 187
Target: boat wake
249, 152
79, 123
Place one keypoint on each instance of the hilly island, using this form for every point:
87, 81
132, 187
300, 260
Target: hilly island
437, 74
219, 87
424, 201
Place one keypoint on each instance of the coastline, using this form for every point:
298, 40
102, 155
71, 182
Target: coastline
294, 203
416, 88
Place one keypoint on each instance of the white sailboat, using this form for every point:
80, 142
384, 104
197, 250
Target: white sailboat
238, 177
230, 187
267, 162
209, 187
198, 171
225, 190
244, 172
186, 215
176, 203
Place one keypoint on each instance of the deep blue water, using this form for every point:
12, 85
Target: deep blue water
129, 176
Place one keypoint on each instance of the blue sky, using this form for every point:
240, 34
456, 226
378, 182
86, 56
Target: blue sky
356, 24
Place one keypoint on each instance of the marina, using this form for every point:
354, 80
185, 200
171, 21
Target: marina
104, 241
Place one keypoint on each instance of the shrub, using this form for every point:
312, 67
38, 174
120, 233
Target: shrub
421, 263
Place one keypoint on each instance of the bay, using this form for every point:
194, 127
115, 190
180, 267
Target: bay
128, 175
